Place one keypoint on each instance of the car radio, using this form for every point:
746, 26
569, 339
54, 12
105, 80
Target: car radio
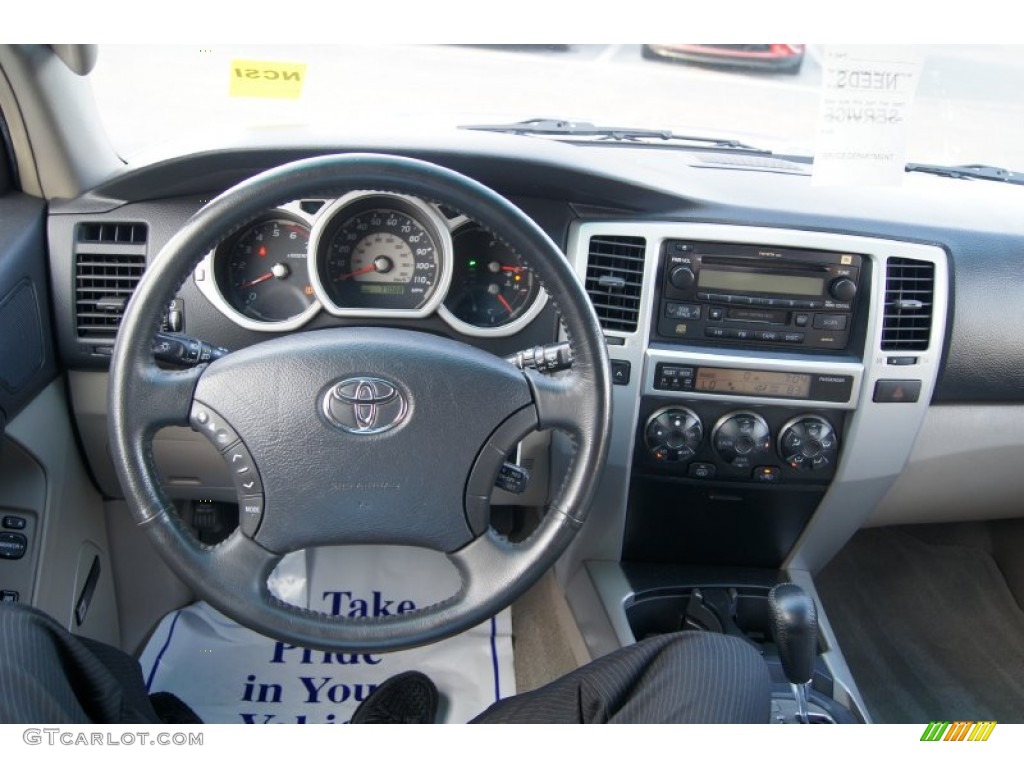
757, 295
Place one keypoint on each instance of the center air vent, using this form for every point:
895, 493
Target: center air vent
615, 274
109, 262
909, 296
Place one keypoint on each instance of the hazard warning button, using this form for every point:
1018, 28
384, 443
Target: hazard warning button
897, 391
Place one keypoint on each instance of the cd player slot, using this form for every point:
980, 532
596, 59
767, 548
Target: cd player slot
744, 263
759, 316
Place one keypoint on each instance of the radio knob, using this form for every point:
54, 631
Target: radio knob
809, 443
842, 289
682, 278
742, 439
673, 434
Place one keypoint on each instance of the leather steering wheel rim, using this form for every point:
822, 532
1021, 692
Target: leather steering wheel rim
232, 575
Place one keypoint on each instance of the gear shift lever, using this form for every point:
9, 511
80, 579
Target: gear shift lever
795, 631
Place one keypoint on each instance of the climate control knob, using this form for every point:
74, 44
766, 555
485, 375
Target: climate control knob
742, 439
673, 434
809, 443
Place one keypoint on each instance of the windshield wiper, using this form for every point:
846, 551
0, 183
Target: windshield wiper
554, 127
987, 172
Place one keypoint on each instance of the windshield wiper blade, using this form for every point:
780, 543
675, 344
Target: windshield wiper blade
987, 172
555, 127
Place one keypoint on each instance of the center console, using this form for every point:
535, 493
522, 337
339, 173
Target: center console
769, 387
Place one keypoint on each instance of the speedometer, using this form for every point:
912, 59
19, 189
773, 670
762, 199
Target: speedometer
380, 254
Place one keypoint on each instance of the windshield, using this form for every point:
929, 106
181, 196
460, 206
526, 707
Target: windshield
966, 106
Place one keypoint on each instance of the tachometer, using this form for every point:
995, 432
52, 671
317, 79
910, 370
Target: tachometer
492, 293
380, 254
260, 275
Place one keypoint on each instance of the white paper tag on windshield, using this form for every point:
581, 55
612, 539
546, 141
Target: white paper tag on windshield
867, 94
230, 674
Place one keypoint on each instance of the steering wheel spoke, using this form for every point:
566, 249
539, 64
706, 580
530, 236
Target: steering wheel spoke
561, 400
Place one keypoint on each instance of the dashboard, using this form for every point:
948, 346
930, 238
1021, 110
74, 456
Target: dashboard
777, 374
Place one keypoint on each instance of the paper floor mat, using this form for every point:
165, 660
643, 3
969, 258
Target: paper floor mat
230, 674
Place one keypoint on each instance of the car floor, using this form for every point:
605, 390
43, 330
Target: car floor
930, 620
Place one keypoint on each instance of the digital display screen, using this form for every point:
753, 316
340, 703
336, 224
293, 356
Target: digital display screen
760, 282
383, 289
762, 383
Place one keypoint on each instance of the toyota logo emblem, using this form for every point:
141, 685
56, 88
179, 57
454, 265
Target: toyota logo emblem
365, 406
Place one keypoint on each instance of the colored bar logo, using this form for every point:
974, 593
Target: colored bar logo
959, 731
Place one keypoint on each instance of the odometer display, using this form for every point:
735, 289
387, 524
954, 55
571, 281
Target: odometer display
758, 383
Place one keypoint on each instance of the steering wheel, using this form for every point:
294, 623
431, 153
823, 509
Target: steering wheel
359, 435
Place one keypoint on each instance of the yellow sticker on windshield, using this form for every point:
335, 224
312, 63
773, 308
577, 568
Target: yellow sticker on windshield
266, 79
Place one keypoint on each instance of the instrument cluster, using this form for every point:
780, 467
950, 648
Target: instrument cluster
370, 255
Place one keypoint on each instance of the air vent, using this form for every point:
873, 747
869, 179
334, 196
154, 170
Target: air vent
909, 296
109, 262
112, 233
615, 273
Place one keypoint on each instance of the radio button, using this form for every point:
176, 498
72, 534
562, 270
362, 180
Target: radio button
721, 298
682, 311
768, 336
830, 322
704, 296
800, 321
745, 300
817, 304
682, 278
741, 334
715, 332
716, 313
793, 338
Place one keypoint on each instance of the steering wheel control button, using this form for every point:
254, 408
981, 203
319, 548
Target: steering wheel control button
673, 434
897, 391
250, 514
808, 443
243, 471
13, 546
512, 478
365, 405
213, 426
742, 439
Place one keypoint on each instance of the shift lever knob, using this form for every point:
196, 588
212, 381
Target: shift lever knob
795, 630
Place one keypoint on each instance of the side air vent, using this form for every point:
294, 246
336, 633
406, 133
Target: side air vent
109, 262
615, 274
909, 296
112, 233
